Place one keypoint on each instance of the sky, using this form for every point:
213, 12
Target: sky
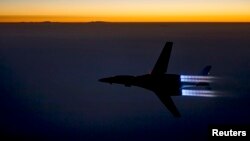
125, 11
49, 86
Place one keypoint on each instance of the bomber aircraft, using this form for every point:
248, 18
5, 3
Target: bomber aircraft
166, 85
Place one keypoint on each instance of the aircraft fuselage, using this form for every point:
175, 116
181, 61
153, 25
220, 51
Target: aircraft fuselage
166, 83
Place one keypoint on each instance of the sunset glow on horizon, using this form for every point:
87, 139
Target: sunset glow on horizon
125, 11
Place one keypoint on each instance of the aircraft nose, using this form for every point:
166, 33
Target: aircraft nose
105, 80
102, 80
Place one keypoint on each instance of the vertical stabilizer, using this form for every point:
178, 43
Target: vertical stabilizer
206, 70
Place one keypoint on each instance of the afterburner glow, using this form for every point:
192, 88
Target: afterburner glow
196, 79
199, 93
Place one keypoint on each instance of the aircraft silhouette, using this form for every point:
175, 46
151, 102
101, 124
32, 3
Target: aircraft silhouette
163, 85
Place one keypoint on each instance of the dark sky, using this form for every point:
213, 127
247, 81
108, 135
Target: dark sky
49, 75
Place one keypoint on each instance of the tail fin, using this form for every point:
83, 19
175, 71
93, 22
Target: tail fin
206, 70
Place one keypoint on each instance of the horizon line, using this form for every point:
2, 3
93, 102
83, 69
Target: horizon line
100, 22
124, 19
